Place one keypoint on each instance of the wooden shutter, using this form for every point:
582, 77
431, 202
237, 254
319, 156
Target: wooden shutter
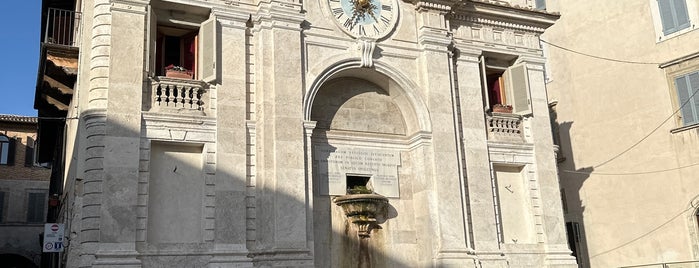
693, 88
29, 153
484, 83
681, 15
519, 89
36, 203
683, 98
11, 152
151, 41
666, 16
207, 51
673, 15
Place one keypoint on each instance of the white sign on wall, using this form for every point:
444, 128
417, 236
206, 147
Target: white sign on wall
333, 165
53, 237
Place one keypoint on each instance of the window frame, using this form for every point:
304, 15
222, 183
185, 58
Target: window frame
692, 97
660, 33
682, 67
513, 94
7, 150
205, 66
28, 203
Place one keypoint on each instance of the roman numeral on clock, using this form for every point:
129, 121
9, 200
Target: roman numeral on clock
337, 12
385, 7
348, 24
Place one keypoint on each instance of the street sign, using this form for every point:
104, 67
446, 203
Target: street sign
53, 237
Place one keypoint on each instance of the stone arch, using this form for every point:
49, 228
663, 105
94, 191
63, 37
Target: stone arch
382, 96
402, 90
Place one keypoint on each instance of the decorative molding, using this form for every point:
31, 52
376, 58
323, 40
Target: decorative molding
136, 7
422, 6
366, 46
499, 23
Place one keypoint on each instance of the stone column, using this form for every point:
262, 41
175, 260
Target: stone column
231, 147
557, 252
443, 193
281, 196
120, 164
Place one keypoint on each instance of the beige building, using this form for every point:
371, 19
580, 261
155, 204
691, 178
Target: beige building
624, 75
24, 186
338, 133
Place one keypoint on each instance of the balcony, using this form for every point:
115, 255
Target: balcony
177, 95
505, 127
57, 74
62, 27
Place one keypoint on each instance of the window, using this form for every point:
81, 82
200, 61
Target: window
505, 85
182, 45
7, 151
36, 204
673, 15
540, 4
687, 87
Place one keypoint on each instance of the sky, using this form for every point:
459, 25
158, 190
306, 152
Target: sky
19, 23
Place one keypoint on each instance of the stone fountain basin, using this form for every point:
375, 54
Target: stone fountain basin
362, 204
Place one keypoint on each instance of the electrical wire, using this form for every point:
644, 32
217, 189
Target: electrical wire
636, 144
598, 57
629, 173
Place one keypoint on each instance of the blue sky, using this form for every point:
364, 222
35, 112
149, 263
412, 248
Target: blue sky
20, 47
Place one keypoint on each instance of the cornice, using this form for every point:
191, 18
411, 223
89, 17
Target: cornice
504, 16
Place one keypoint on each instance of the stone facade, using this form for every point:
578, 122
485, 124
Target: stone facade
287, 108
629, 174
23, 194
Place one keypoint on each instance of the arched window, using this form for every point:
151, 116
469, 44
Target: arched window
7, 150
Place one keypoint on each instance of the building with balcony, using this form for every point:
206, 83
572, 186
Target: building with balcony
370, 133
24, 185
625, 81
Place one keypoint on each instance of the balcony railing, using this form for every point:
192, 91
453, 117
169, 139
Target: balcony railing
62, 27
505, 127
178, 93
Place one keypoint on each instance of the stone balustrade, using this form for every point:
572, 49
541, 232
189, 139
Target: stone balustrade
505, 127
178, 93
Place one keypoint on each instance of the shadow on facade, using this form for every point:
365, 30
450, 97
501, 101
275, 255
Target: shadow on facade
268, 223
15, 261
572, 179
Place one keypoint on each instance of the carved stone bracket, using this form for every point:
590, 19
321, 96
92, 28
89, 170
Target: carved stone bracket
366, 47
362, 210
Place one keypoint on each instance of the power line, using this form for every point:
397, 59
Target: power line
648, 135
598, 57
634, 146
629, 173
646, 234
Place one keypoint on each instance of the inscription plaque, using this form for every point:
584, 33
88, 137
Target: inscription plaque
334, 164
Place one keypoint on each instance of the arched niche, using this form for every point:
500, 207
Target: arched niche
357, 105
402, 91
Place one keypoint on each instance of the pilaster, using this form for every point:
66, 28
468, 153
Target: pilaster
117, 230
281, 196
445, 217
231, 146
480, 202
557, 252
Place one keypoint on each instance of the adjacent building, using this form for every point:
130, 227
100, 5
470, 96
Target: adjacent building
625, 75
338, 133
24, 200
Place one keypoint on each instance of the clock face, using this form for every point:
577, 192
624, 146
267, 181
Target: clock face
370, 18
